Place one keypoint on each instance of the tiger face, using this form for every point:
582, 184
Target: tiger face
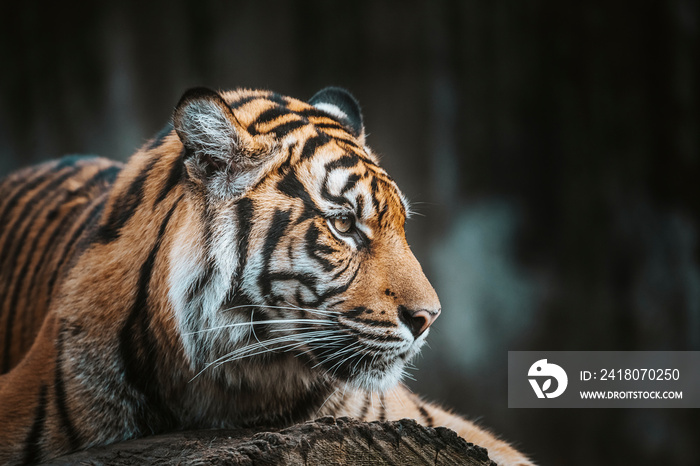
305, 254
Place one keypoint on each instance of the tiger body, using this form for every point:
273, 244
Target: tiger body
247, 267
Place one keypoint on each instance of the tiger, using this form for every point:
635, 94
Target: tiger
246, 267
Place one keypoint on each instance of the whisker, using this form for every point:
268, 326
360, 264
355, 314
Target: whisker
324, 401
232, 355
336, 366
259, 322
359, 360
337, 354
253, 350
283, 348
331, 340
293, 339
294, 308
295, 329
329, 359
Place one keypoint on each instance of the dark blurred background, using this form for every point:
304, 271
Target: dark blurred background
552, 149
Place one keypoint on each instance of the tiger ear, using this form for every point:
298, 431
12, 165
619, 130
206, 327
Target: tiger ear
207, 128
341, 106
219, 153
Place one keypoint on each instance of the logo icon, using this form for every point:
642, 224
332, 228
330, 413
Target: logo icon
546, 372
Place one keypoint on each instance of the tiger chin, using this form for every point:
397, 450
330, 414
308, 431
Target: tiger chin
247, 267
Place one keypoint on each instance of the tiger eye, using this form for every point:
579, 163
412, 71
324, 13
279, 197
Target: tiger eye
343, 223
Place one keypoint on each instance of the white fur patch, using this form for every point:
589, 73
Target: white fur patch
336, 181
332, 109
204, 326
186, 264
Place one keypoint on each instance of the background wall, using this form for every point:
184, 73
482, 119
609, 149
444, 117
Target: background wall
551, 147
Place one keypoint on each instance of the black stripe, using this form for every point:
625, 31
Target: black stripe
36, 175
67, 426
15, 291
244, 100
314, 112
365, 407
236, 301
32, 445
370, 322
427, 418
350, 184
306, 279
92, 214
16, 249
375, 200
124, 206
138, 347
312, 144
349, 160
283, 169
376, 344
106, 175
268, 116
8, 188
261, 331
93, 211
382, 408
34, 180
315, 249
34, 206
354, 145
358, 311
244, 220
19, 220
342, 270
368, 338
278, 226
326, 194
342, 124
383, 213
331, 126
292, 187
175, 174
307, 405
331, 292
160, 137
63, 226
278, 99
282, 130
201, 282
272, 97
360, 204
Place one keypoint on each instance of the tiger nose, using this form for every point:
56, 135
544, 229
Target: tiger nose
417, 321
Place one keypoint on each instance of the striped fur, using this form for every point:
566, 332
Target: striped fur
247, 267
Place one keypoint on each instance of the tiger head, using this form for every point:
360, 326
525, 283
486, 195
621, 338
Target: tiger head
295, 245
